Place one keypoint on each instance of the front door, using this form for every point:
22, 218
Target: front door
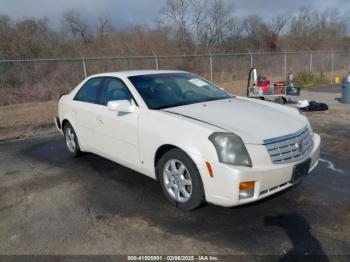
117, 131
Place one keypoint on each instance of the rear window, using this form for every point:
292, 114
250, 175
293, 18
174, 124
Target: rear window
89, 92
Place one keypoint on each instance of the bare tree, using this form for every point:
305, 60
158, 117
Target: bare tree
76, 25
199, 16
5, 24
104, 28
32, 37
328, 27
176, 14
220, 20
301, 24
251, 25
236, 28
278, 24
315, 30
5, 35
213, 22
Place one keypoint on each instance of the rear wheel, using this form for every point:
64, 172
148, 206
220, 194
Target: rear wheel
180, 180
71, 140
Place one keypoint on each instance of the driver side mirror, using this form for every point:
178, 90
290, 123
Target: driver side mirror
124, 106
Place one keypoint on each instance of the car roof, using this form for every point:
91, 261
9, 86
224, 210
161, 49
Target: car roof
136, 73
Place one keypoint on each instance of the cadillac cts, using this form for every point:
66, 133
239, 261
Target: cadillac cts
202, 144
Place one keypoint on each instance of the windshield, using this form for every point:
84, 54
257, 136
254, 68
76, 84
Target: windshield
175, 89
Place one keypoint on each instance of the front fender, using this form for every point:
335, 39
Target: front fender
158, 128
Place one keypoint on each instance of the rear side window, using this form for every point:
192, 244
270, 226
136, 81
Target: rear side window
90, 91
114, 89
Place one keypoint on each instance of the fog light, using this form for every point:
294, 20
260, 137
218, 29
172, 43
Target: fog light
246, 189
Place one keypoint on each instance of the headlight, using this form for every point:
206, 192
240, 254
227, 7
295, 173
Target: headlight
230, 149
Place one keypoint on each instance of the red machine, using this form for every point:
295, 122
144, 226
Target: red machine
278, 86
259, 87
263, 83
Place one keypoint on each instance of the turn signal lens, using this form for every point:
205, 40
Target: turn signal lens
209, 169
246, 185
246, 189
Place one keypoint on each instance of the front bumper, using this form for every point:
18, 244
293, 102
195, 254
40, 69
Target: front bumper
223, 188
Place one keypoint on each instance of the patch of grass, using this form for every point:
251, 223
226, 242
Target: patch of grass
21, 120
307, 79
236, 87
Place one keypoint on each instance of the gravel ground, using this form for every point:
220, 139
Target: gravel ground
334, 124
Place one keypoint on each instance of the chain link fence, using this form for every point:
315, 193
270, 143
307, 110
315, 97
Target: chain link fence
45, 79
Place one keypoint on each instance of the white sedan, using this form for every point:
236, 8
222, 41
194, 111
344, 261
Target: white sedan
202, 144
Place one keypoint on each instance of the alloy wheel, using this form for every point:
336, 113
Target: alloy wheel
177, 180
70, 140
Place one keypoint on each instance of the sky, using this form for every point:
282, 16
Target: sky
145, 12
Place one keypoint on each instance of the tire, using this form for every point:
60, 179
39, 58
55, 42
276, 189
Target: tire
71, 140
186, 178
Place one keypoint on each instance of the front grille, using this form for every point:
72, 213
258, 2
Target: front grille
290, 148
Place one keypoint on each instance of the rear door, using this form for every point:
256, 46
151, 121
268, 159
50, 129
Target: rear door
84, 109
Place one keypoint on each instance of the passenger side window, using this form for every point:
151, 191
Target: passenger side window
89, 92
114, 89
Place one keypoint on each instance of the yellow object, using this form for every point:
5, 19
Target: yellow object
337, 79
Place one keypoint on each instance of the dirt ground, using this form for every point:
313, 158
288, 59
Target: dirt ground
333, 125
25, 120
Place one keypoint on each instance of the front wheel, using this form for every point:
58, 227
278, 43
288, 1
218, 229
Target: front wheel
180, 180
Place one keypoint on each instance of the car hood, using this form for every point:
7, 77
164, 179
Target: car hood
253, 120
